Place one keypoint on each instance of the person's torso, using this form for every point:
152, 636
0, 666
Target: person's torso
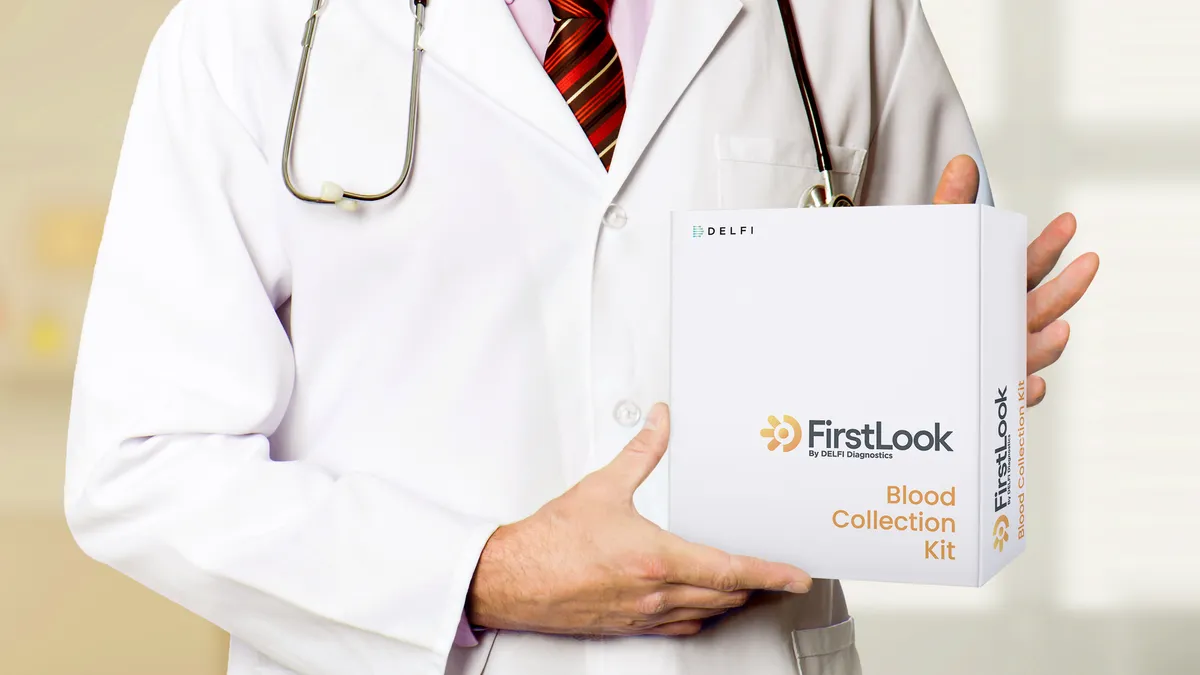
497, 329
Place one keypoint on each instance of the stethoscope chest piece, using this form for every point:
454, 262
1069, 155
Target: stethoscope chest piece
817, 197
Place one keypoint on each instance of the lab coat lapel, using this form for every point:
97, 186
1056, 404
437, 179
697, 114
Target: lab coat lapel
681, 37
480, 42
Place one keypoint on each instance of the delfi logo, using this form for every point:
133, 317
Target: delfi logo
786, 433
697, 231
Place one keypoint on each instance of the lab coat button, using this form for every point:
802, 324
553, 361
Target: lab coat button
615, 217
627, 413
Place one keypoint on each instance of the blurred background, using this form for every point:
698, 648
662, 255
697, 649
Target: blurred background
1082, 105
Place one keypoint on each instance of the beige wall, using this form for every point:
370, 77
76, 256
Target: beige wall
1086, 105
70, 68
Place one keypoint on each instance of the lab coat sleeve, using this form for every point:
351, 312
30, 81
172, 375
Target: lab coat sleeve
921, 121
185, 371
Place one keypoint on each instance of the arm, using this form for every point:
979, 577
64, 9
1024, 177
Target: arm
185, 372
922, 123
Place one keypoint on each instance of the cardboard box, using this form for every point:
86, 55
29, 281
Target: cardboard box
848, 389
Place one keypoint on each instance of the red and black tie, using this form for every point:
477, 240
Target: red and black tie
582, 60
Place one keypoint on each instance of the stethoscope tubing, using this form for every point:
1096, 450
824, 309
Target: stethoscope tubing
332, 194
818, 195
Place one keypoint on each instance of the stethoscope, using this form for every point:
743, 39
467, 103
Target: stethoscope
820, 195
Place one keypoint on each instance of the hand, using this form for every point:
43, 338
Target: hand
588, 564
1048, 333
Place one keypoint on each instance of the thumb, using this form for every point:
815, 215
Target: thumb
634, 464
959, 183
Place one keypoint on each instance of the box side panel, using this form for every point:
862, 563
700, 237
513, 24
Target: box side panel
1002, 408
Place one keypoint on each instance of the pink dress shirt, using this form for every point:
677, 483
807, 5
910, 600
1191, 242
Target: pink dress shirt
628, 21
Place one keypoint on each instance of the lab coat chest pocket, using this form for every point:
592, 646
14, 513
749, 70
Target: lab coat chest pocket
827, 651
758, 172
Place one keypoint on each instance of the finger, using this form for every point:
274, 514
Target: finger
959, 183
695, 597
634, 464
677, 628
1044, 251
686, 614
707, 567
1046, 346
1051, 301
757, 574
1037, 390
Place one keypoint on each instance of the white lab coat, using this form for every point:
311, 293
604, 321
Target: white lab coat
303, 424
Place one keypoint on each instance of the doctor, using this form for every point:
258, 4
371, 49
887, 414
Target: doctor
423, 437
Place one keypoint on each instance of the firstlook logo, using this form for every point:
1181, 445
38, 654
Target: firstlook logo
1000, 533
786, 434
1003, 452
879, 437
869, 436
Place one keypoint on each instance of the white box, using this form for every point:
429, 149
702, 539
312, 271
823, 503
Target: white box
832, 326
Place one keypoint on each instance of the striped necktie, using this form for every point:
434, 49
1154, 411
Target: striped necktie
582, 60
